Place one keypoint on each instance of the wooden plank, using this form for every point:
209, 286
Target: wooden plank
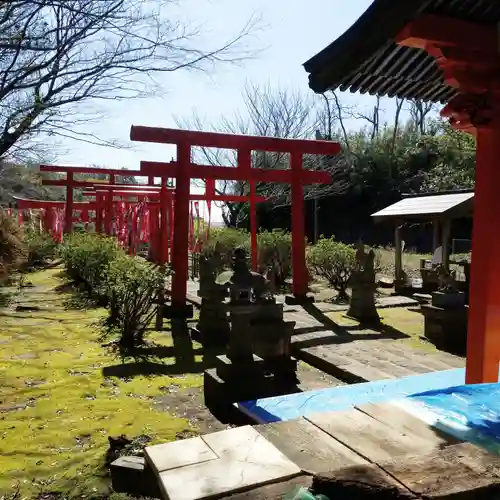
360, 482
273, 491
404, 422
370, 438
461, 471
349, 370
308, 446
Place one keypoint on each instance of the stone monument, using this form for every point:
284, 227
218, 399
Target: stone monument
445, 318
362, 304
213, 326
258, 360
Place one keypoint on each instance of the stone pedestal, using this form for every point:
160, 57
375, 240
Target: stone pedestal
233, 381
446, 327
448, 300
213, 327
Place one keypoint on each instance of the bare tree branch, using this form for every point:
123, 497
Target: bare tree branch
56, 54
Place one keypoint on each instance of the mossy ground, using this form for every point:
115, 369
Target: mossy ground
58, 407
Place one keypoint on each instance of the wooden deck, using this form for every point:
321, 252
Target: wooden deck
358, 355
381, 443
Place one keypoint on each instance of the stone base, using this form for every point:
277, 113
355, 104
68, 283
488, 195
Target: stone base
216, 338
293, 300
448, 300
446, 328
131, 475
172, 311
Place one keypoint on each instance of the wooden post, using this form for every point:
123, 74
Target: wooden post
398, 253
300, 275
68, 220
244, 162
445, 240
180, 262
435, 235
483, 337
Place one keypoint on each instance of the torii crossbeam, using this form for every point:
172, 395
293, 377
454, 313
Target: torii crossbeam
183, 170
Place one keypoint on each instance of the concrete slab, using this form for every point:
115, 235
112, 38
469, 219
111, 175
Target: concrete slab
168, 456
246, 460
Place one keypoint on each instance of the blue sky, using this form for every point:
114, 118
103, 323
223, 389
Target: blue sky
293, 32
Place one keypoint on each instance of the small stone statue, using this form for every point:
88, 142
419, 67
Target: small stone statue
245, 286
447, 281
362, 305
213, 325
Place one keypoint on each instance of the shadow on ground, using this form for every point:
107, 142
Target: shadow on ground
343, 334
150, 359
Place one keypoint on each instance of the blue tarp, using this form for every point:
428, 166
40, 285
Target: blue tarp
469, 412
301, 404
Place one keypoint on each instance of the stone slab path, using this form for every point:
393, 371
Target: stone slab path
355, 354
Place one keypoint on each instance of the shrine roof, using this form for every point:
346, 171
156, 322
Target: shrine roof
450, 205
366, 59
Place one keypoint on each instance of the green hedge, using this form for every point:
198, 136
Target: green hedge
274, 250
129, 285
41, 248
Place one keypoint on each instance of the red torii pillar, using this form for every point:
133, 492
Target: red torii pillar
154, 196
469, 57
70, 183
184, 170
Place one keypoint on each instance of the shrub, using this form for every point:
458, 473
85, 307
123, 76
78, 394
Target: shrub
86, 257
275, 255
333, 261
13, 250
41, 248
131, 286
222, 242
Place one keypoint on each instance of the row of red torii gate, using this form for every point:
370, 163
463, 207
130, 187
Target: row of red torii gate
164, 214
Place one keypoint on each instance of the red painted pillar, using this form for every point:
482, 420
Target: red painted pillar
68, 219
98, 213
300, 280
180, 263
164, 222
483, 338
245, 163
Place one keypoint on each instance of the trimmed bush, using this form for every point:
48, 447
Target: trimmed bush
334, 262
13, 251
221, 244
131, 285
87, 256
275, 255
41, 248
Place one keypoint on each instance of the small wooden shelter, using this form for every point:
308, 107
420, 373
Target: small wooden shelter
438, 208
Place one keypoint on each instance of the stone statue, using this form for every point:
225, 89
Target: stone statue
213, 325
447, 281
362, 304
245, 286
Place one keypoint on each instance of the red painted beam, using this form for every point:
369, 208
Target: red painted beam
193, 196
127, 187
233, 174
231, 141
429, 29
64, 183
88, 170
79, 205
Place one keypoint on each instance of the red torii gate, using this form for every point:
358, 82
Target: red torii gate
71, 183
154, 195
184, 170
468, 55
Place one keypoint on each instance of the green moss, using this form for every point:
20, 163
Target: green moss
52, 363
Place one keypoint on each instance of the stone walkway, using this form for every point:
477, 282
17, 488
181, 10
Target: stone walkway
355, 354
